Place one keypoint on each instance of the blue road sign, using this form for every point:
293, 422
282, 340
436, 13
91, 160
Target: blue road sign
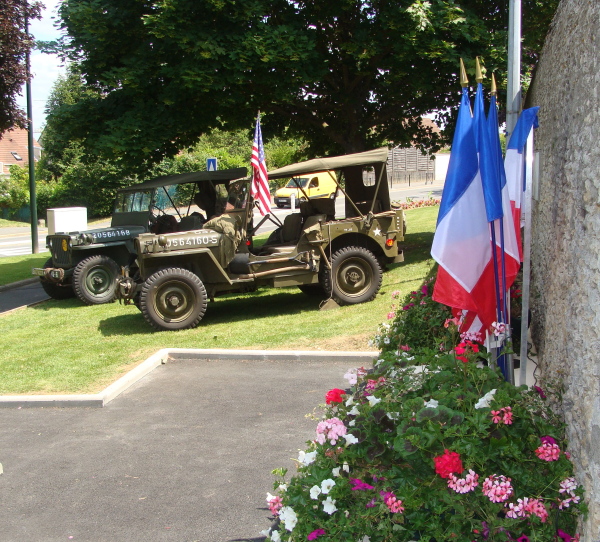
211, 164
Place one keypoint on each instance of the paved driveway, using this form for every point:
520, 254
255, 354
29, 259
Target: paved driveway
184, 455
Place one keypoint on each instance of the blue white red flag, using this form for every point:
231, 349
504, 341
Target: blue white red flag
514, 164
259, 189
473, 203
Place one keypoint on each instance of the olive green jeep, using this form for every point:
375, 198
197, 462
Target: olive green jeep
87, 263
175, 274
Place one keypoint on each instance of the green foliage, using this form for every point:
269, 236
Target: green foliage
14, 189
417, 322
344, 76
14, 46
418, 442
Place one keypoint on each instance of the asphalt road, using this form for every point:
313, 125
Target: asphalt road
184, 455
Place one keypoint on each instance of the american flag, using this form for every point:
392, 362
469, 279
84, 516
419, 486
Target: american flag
259, 188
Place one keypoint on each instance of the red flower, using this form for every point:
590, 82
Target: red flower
447, 464
334, 396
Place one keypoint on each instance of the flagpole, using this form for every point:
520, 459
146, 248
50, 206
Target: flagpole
513, 85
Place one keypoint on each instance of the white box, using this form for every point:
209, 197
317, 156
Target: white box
67, 219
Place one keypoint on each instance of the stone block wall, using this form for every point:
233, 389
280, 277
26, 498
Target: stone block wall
566, 232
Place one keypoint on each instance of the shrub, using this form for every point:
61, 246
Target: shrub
431, 446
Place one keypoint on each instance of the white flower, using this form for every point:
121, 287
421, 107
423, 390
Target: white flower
288, 517
351, 423
365, 539
282, 487
432, 403
351, 376
328, 506
350, 401
393, 415
350, 438
372, 400
354, 411
307, 458
386, 340
485, 401
275, 536
315, 491
265, 532
336, 471
326, 485
345, 467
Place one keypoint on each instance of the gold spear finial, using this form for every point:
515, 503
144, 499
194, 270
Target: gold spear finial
478, 74
494, 90
464, 82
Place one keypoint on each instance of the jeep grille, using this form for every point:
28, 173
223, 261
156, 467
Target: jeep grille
60, 248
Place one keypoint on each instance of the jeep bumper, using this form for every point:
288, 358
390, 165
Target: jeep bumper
51, 274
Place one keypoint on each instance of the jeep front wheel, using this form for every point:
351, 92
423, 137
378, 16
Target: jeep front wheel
94, 279
172, 299
355, 276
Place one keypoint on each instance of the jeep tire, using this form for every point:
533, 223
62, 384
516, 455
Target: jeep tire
94, 279
54, 289
356, 273
172, 299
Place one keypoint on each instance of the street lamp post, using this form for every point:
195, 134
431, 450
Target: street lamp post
30, 152
513, 86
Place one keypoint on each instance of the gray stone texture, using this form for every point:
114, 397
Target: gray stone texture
566, 232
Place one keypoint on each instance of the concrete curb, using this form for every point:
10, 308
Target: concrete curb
166, 354
19, 283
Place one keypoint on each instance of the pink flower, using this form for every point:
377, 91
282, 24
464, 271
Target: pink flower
464, 485
331, 430
405, 348
275, 503
548, 452
540, 391
527, 507
391, 315
547, 440
396, 294
392, 502
523, 538
567, 488
504, 415
497, 488
567, 537
315, 534
359, 485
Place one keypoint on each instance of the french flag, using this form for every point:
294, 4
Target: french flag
514, 165
473, 202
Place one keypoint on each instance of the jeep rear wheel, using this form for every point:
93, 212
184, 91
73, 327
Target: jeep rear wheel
356, 276
54, 289
172, 299
94, 279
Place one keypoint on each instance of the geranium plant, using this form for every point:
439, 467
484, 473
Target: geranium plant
433, 446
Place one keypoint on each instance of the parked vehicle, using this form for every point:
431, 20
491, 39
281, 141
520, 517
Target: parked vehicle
176, 274
314, 186
87, 263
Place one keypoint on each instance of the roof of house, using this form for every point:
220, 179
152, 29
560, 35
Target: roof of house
13, 149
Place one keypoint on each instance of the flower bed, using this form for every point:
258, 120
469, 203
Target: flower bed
433, 446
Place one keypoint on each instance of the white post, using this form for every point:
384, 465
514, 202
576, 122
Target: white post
513, 86
292, 201
526, 256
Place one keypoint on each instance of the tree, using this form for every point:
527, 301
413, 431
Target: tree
14, 45
345, 75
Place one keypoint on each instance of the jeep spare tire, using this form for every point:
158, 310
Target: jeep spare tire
172, 299
355, 276
94, 279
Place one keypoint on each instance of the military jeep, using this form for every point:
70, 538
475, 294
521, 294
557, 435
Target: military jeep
176, 274
87, 263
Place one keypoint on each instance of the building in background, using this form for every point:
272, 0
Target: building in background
13, 149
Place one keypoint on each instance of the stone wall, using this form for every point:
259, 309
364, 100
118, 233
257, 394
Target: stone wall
566, 232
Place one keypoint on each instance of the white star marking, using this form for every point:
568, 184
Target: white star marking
377, 232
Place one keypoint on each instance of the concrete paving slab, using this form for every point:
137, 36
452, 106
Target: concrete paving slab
183, 454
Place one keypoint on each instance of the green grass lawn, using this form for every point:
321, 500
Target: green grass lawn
13, 224
15, 268
66, 347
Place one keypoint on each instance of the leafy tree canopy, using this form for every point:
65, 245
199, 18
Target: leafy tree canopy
14, 45
345, 75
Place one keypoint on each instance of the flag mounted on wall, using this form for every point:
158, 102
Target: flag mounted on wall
259, 189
